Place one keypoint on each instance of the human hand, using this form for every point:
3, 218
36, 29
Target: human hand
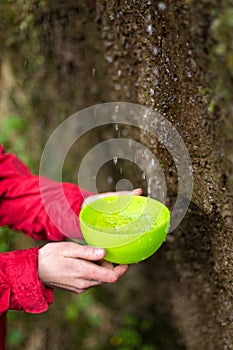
75, 268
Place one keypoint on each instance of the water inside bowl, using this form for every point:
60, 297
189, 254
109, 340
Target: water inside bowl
124, 222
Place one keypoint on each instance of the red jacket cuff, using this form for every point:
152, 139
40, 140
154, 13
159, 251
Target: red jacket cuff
21, 288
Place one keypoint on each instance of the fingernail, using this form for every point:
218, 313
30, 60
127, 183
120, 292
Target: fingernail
99, 252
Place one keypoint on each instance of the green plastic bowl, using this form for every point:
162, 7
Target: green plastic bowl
131, 228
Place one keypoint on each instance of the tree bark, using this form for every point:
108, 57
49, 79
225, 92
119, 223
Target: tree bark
165, 55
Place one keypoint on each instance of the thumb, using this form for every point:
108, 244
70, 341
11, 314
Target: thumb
85, 252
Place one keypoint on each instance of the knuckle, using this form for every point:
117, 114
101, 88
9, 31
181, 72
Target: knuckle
79, 291
82, 285
113, 278
87, 251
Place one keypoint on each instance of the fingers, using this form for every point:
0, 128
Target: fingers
76, 268
116, 273
74, 250
107, 273
104, 273
137, 191
107, 264
112, 275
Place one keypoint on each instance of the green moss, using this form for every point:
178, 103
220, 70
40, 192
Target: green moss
221, 55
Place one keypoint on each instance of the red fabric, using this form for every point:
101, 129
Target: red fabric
2, 331
21, 208
20, 286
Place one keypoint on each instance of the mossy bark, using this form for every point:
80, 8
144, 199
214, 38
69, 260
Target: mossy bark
163, 55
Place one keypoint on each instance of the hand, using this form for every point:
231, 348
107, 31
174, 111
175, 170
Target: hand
75, 268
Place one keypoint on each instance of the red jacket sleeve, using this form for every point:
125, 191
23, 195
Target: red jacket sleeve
21, 208
20, 286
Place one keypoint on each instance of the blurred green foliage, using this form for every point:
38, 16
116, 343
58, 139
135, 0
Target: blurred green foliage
131, 335
15, 337
77, 309
12, 137
221, 54
222, 29
7, 239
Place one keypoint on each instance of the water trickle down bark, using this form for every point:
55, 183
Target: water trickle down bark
159, 55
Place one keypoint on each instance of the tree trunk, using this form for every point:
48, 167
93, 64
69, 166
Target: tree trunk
176, 57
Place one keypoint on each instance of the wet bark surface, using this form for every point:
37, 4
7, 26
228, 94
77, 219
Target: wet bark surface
160, 55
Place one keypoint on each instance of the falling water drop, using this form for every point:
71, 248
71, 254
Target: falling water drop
155, 51
143, 176
114, 118
162, 6
190, 170
149, 188
152, 163
109, 59
109, 179
119, 73
149, 29
115, 160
